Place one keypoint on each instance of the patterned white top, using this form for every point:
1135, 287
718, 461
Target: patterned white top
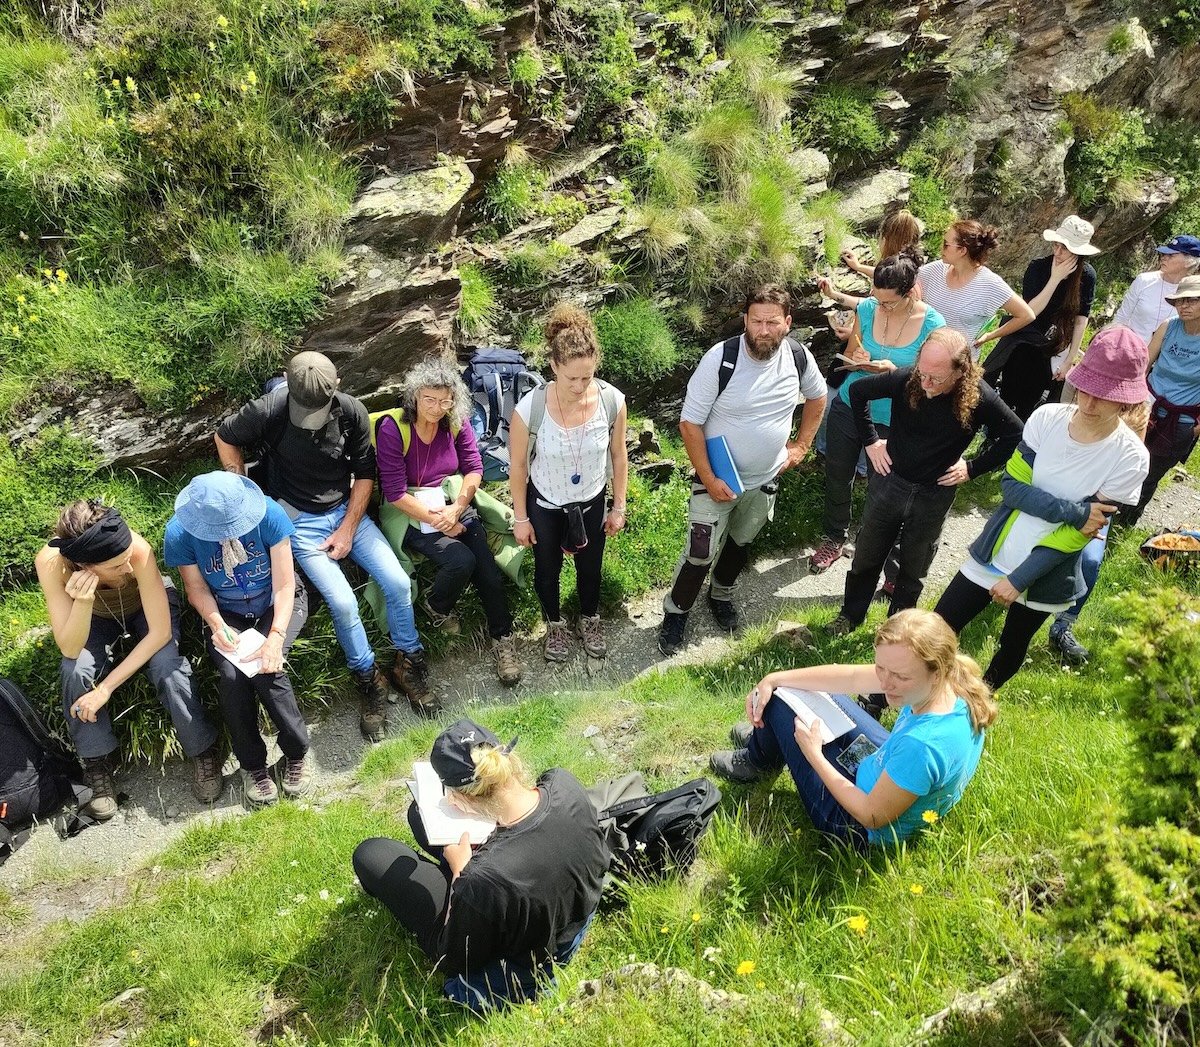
965, 309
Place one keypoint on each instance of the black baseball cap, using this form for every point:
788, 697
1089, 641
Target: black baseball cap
451, 756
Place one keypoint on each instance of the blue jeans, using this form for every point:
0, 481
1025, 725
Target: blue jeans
1093, 554
774, 744
373, 554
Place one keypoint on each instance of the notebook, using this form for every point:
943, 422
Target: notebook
249, 642
722, 463
810, 705
431, 498
443, 822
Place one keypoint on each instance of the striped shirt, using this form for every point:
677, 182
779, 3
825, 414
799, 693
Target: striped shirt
965, 309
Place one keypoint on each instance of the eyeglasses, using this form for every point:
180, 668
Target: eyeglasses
933, 379
436, 401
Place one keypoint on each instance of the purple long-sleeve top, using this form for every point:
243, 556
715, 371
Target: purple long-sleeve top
425, 465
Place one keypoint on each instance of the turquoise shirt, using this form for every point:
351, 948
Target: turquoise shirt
900, 355
929, 755
1176, 373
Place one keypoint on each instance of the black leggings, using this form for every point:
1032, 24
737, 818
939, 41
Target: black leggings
962, 603
550, 529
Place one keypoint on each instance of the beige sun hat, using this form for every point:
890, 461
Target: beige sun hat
1074, 233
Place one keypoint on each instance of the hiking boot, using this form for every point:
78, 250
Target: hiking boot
825, 555
840, 626
260, 788
670, 633
735, 765
740, 733
591, 632
1063, 640
410, 674
557, 644
296, 777
886, 591
447, 623
207, 780
724, 613
372, 706
873, 704
98, 773
508, 665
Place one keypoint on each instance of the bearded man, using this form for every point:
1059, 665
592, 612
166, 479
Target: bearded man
746, 390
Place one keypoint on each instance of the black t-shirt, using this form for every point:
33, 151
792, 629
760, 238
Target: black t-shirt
1037, 275
924, 442
309, 469
531, 887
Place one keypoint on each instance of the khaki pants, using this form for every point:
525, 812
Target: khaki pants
710, 525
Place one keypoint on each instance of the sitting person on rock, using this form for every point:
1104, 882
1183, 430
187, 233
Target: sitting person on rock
428, 441
494, 918
871, 786
104, 593
232, 546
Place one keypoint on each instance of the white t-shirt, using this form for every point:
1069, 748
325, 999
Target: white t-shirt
562, 453
755, 411
965, 309
1114, 467
1145, 305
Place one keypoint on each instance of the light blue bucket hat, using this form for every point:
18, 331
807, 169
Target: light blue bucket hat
220, 505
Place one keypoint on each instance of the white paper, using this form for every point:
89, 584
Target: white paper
810, 705
249, 642
432, 498
444, 823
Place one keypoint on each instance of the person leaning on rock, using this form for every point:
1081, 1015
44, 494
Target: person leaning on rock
103, 589
316, 442
752, 409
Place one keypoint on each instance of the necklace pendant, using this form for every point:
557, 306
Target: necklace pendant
575, 478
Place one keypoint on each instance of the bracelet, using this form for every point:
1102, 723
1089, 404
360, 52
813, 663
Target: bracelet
276, 629
520, 520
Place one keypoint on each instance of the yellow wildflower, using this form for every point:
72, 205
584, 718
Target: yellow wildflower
47, 273
930, 817
61, 274
34, 318
193, 1042
695, 917
916, 888
20, 298
858, 924
195, 96
116, 85
746, 967
760, 985
222, 22
251, 77
16, 331
131, 85
664, 929
109, 121
135, 955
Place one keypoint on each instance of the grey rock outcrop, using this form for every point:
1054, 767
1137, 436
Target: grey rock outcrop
409, 212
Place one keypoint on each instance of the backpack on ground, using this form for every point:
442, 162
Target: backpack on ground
729, 359
497, 379
37, 773
649, 836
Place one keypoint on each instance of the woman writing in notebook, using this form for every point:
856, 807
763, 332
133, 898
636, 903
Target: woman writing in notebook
870, 785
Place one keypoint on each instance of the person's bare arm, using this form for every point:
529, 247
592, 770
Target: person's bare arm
518, 479
619, 453
810, 421
837, 679
697, 452
1073, 352
1021, 315
232, 459
881, 806
69, 602
341, 541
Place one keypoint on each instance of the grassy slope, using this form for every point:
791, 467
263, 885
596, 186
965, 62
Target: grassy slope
948, 915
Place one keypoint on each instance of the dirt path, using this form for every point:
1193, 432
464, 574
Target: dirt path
160, 805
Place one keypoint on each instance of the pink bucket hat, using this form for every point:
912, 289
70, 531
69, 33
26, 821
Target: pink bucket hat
1114, 367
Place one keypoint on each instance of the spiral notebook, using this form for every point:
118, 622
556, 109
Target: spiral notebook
817, 705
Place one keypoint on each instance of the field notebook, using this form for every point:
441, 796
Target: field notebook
249, 642
810, 705
722, 463
443, 822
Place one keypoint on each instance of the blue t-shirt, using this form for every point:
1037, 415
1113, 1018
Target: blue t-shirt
249, 591
1176, 373
932, 756
900, 355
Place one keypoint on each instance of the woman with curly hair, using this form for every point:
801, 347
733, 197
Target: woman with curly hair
429, 441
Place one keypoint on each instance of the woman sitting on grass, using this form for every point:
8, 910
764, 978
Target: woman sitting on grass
497, 917
869, 785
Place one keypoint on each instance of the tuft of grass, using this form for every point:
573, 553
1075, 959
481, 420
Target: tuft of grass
638, 343
513, 195
525, 69
826, 211
727, 136
478, 309
841, 121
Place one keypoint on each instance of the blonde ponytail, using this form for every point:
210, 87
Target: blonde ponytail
966, 680
495, 770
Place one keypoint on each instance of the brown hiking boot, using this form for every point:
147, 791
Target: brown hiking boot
508, 665
372, 706
410, 674
98, 773
591, 632
297, 776
207, 780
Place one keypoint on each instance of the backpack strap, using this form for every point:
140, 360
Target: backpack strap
729, 358
537, 412
799, 356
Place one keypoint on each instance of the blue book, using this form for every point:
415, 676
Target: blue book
722, 463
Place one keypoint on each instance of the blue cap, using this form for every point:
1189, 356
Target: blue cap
220, 505
1182, 244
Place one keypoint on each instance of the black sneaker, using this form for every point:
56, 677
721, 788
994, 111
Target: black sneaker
372, 707
740, 733
410, 674
735, 765
1063, 640
670, 634
840, 626
724, 613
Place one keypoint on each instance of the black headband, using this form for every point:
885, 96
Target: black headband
107, 537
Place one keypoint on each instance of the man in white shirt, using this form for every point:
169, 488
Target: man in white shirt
746, 390
1145, 307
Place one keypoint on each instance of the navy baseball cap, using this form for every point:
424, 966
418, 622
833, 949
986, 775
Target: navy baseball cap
1182, 244
451, 756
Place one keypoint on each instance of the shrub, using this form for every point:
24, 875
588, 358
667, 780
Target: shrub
841, 121
532, 264
637, 342
513, 195
477, 311
524, 71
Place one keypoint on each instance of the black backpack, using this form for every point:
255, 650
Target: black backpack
729, 359
651, 835
37, 773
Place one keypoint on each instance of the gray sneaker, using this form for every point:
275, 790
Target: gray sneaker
296, 778
260, 788
591, 632
735, 765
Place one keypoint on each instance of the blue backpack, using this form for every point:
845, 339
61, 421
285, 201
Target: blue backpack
496, 379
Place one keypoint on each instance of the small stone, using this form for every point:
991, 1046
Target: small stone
172, 811
591, 730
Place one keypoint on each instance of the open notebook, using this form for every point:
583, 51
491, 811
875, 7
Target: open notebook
444, 823
810, 705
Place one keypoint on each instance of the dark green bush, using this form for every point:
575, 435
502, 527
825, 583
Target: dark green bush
637, 342
841, 122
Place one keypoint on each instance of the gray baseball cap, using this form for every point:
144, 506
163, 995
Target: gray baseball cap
311, 380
